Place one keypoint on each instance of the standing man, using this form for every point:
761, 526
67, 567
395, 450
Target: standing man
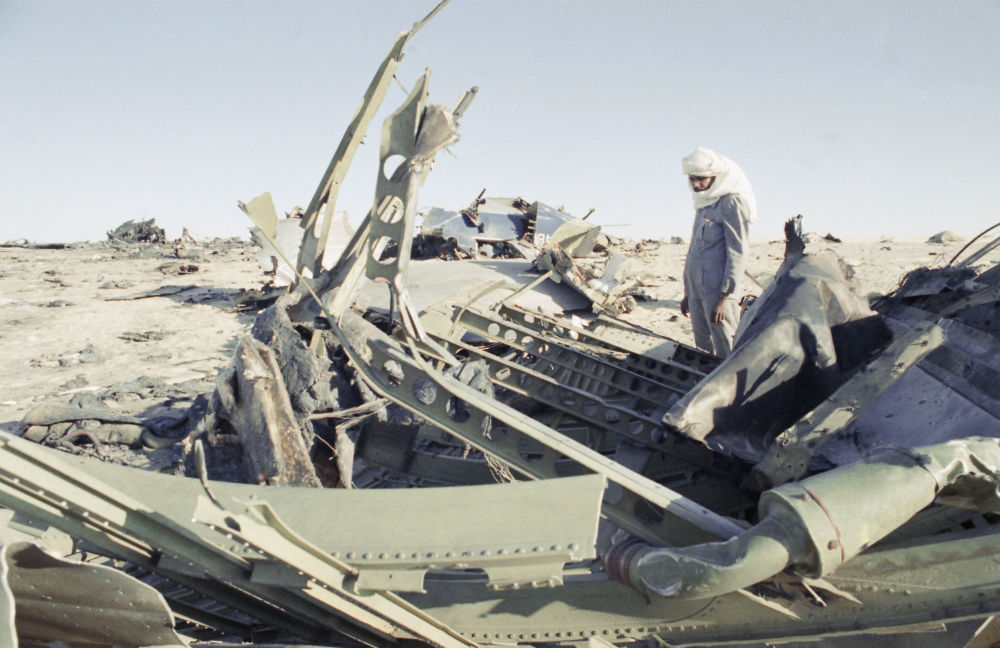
724, 208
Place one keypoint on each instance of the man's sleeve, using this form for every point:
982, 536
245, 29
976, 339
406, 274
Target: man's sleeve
734, 218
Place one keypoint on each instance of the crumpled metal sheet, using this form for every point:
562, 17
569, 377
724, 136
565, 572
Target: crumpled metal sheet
511, 219
45, 598
791, 351
610, 292
141, 232
287, 235
955, 388
455, 225
574, 235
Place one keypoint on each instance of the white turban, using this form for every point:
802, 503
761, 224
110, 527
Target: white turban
729, 179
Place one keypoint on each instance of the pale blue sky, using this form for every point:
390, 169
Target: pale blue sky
869, 118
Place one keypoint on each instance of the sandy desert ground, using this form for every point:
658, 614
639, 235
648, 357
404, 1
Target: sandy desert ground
83, 320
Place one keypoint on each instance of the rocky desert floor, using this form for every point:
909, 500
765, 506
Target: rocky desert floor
144, 327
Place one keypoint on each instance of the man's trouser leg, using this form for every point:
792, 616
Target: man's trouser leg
700, 322
722, 332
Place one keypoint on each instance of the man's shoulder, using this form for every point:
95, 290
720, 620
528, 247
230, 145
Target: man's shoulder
732, 201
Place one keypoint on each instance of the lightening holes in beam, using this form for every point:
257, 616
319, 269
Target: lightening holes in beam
425, 391
458, 410
385, 250
391, 210
391, 165
393, 373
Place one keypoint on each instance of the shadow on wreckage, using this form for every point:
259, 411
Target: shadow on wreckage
835, 477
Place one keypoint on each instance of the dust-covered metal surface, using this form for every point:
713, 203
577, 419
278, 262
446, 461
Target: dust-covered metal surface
497, 459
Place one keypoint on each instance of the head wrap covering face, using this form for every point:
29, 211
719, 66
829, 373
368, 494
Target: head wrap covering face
729, 179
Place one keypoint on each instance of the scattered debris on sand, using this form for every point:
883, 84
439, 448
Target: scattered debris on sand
141, 232
945, 237
836, 477
503, 228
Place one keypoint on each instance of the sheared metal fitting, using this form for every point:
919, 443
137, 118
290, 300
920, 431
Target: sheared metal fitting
714, 568
619, 559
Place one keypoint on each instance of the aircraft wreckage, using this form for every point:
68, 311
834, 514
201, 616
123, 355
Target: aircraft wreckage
834, 478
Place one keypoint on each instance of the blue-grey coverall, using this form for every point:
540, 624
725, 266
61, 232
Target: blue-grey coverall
715, 264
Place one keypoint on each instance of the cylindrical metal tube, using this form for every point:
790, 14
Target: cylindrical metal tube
817, 524
843, 511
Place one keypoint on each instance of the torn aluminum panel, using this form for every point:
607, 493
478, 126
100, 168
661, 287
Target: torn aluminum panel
795, 344
609, 292
952, 389
287, 235
443, 224
934, 382
491, 220
289, 238
871, 594
382, 253
554, 226
48, 599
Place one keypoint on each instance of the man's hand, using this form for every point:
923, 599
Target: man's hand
719, 312
684, 306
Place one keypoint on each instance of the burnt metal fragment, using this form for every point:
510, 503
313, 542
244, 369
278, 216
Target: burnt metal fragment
141, 232
252, 398
797, 342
